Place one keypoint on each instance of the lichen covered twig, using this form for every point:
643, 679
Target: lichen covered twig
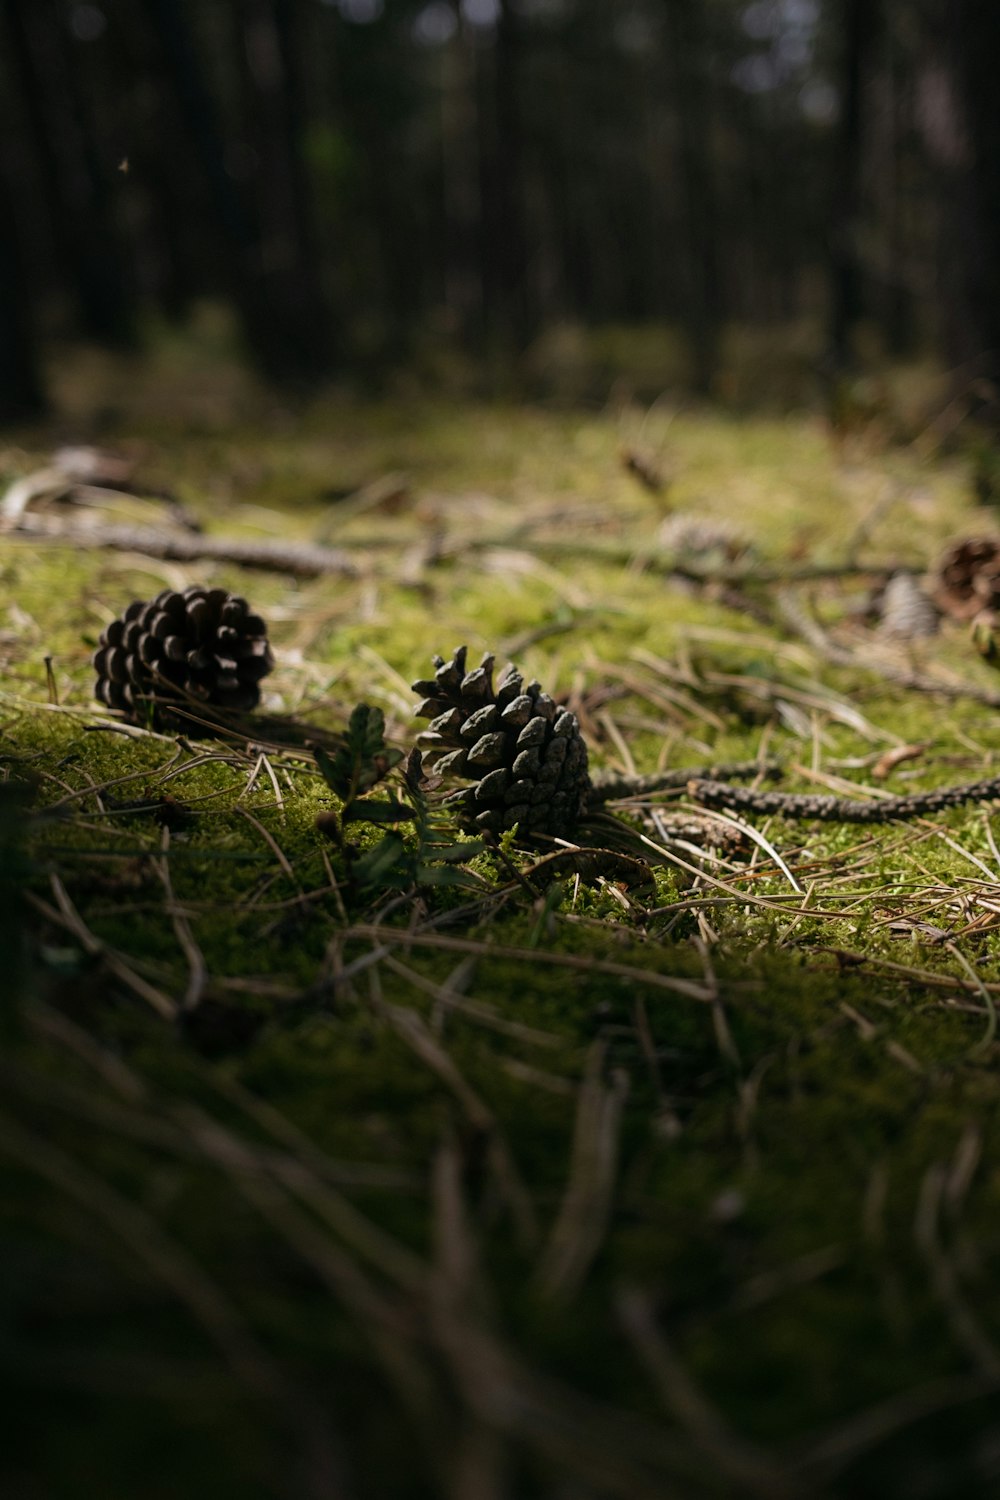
721, 794
617, 788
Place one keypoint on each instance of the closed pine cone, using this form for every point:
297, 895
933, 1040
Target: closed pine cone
199, 648
907, 613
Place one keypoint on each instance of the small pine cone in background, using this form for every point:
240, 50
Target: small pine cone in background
692, 535
191, 650
967, 578
906, 613
524, 755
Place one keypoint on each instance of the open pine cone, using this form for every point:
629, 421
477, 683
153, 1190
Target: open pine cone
967, 578
524, 755
202, 647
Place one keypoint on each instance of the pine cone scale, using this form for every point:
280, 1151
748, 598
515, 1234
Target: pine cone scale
488, 752
484, 721
493, 785
518, 712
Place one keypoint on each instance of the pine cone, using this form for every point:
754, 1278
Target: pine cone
524, 754
967, 578
201, 647
692, 535
906, 611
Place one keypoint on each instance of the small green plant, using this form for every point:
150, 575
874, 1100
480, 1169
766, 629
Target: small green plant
361, 763
355, 768
434, 856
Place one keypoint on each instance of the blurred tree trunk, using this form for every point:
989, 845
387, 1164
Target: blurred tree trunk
184, 119
691, 90
395, 194
899, 313
78, 198
970, 160
162, 200
461, 153
568, 194
859, 22
502, 229
286, 262
264, 262
21, 395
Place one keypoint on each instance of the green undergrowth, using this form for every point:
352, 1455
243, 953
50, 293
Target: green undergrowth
338, 1166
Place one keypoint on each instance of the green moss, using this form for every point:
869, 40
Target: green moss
794, 1162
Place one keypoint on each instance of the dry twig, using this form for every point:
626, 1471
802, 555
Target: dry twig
582, 1221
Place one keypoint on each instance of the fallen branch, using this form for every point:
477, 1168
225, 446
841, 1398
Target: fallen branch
669, 561
798, 619
840, 809
303, 559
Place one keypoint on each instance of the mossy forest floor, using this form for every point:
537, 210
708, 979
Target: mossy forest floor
317, 1189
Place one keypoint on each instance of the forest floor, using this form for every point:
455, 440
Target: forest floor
666, 1174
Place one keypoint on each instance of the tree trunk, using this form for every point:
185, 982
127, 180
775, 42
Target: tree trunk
185, 120
691, 92
286, 264
264, 264
859, 22
78, 197
502, 234
898, 311
21, 394
975, 36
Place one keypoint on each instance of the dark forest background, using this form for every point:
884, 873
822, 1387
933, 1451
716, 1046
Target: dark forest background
362, 181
